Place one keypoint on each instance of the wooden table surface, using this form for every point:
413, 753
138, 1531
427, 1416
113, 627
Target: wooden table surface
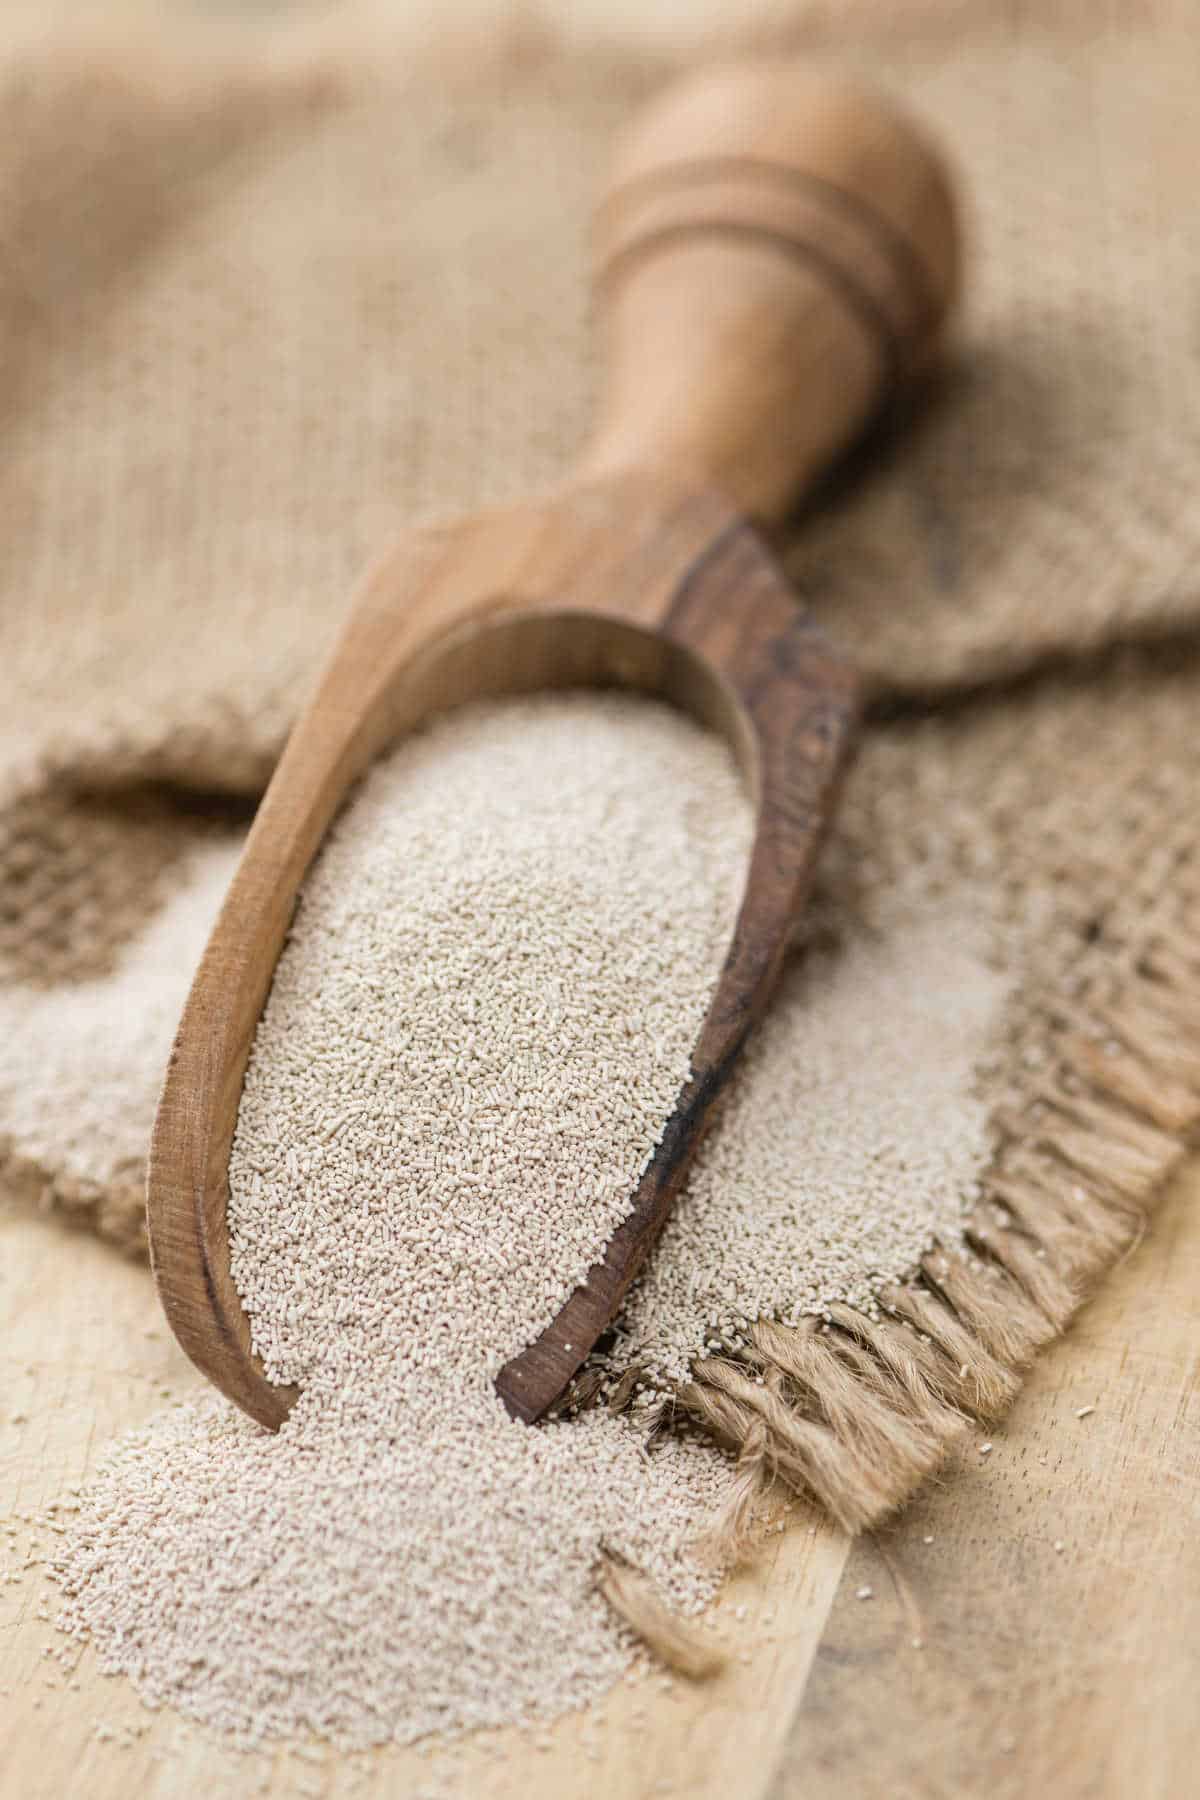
1052, 1588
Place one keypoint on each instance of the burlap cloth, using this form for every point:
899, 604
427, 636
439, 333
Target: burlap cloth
264, 302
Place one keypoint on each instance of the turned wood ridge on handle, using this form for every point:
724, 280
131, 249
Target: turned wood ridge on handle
777, 250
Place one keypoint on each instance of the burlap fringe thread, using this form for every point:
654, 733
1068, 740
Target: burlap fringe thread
853, 1412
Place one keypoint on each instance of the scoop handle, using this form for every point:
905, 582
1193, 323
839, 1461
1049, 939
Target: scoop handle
779, 247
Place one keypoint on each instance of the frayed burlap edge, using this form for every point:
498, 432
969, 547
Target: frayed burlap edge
853, 1412
113, 1209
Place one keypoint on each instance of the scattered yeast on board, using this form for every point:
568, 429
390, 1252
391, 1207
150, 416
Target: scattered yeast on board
480, 1022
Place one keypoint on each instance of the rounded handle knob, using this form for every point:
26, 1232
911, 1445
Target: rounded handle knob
778, 248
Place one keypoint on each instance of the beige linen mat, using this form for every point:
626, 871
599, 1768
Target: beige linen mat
266, 302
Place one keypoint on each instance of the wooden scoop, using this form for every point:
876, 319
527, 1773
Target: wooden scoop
778, 249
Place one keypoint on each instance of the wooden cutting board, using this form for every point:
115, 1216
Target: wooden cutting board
1043, 1671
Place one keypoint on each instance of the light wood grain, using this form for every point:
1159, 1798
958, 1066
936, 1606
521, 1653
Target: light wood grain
1069, 1674
777, 246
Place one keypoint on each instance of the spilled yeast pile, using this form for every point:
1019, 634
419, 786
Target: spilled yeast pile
478, 1026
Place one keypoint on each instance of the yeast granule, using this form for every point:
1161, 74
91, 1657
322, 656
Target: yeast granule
478, 1026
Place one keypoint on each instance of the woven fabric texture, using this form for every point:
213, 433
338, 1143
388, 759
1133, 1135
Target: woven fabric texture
263, 306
